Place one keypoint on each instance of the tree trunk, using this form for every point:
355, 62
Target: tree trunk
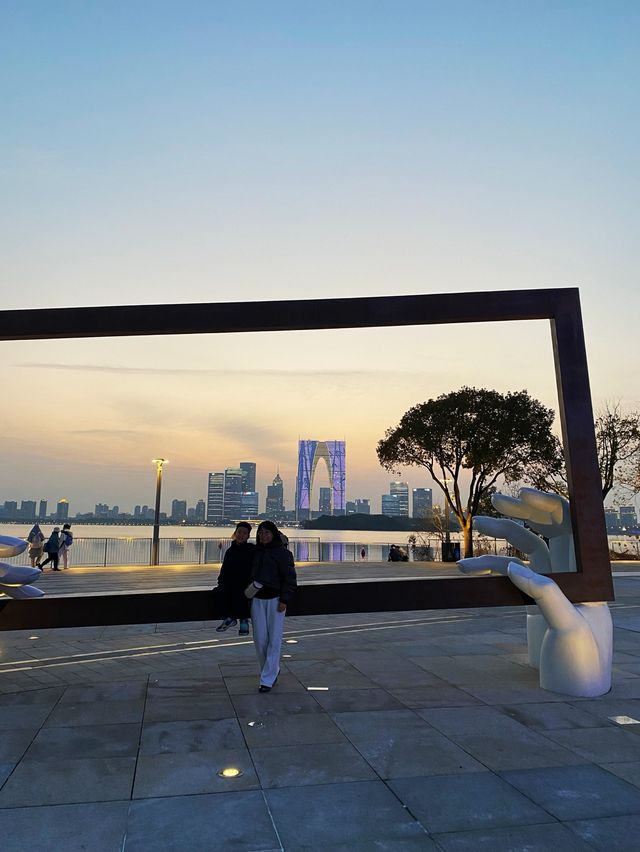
467, 537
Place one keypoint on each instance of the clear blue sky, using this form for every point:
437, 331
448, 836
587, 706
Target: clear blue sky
190, 151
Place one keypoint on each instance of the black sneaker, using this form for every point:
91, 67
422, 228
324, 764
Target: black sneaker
244, 627
226, 624
264, 688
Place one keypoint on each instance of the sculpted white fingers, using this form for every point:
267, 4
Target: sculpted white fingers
15, 580
572, 645
577, 647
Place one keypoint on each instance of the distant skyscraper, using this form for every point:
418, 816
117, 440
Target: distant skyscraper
628, 518
28, 509
249, 505
232, 493
401, 490
42, 509
249, 476
10, 508
350, 507
422, 502
324, 501
200, 511
178, 510
333, 453
215, 498
62, 509
391, 505
275, 498
363, 506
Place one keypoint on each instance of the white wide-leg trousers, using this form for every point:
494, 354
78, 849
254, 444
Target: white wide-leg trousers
268, 625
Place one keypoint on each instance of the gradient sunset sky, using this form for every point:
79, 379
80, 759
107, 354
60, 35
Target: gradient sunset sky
160, 152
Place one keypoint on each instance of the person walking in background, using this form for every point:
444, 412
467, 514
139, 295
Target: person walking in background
233, 579
52, 548
36, 544
66, 540
274, 582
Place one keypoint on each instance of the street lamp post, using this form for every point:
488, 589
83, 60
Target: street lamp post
156, 518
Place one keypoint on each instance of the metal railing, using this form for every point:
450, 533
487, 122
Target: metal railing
110, 551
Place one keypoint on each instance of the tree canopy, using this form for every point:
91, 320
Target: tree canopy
477, 431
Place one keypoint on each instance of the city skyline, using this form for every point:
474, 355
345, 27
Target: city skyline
248, 154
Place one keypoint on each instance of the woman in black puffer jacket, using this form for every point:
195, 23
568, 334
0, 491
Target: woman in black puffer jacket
273, 585
233, 579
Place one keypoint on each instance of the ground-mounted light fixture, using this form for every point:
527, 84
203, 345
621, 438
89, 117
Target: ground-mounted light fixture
624, 720
230, 772
317, 689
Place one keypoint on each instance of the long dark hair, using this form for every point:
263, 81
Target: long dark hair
273, 529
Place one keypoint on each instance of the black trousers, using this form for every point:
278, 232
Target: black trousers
51, 557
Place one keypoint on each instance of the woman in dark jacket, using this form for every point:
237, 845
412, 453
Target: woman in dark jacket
273, 585
51, 548
234, 577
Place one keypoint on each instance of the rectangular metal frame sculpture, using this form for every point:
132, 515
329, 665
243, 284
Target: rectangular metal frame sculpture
561, 307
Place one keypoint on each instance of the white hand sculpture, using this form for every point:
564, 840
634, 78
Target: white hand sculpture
15, 581
571, 645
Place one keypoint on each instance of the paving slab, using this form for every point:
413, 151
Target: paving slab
297, 729
299, 765
160, 775
361, 815
129, 691
534, 838
273, 703
554, 716
98, 712
600, 745
186, 709
609, 834
13, 744
201, 823
183, 737
576, 792
627, 771
98, 826
479, 800
36, 782
60, 744
351, 700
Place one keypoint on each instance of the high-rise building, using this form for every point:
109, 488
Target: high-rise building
612, 520
215, 498
310, 452
350, 507
324, 501
248, 476
232, 493
137, 513
275, 498
401, 491
178, 510
249, 505
422, 502
628, 518
28, 509
200, 511
391, 505
42, 509
10, 508
62, 509
363, 506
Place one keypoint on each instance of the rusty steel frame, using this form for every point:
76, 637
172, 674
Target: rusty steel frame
561, 307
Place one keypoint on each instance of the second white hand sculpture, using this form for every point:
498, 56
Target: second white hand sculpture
572, 645
15, 580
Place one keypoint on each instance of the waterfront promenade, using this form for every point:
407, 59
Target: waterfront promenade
387, 731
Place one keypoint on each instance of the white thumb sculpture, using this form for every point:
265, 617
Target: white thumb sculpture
572, 645
15, 580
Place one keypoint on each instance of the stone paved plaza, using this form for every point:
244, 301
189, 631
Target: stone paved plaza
391, 731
